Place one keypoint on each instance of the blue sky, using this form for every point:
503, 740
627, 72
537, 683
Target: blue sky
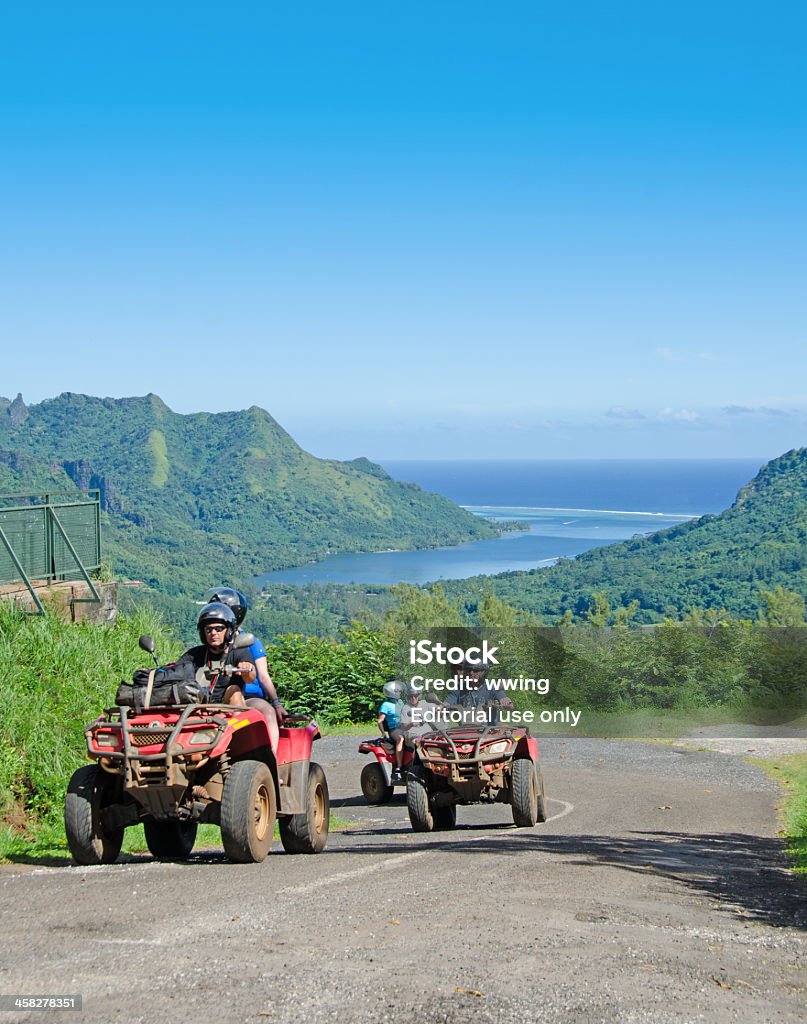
424, 230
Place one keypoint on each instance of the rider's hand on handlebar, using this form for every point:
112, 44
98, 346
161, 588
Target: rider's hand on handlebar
280, 711
247, 671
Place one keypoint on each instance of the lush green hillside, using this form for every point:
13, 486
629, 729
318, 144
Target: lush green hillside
192, 499
719, 561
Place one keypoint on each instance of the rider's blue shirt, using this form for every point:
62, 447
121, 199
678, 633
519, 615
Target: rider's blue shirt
257, 650
390, 711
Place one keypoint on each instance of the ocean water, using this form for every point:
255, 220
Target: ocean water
681, 486
568, 507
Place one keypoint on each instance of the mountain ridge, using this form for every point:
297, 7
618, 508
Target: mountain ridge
230, 493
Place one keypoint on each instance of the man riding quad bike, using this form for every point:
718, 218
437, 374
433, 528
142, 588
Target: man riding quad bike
171, 759
464, 760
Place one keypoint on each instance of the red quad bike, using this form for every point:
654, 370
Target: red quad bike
474, 764
376, 777
174, 767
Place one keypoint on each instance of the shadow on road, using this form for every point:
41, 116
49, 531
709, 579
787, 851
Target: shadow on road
746, 873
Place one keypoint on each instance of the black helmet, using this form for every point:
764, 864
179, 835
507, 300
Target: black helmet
216, 611
234, 599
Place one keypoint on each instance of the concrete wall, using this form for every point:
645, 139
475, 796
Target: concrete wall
60, 599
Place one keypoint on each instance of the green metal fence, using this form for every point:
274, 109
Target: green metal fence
54, 536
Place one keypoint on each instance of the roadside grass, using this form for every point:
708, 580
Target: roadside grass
349, 728
47, 846
60, 675
791, 773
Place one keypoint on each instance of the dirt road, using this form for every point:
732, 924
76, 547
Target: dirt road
655, 892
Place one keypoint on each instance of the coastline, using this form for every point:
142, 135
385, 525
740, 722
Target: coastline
540, 546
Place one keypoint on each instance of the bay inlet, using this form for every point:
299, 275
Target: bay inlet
565, 507
550, 534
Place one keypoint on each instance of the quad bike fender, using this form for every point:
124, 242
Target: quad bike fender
527, 747
376, 748
292, 787
294, 744
293, 760
244, 734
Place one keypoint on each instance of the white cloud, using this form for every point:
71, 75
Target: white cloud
760, 411
619, 412
678, 415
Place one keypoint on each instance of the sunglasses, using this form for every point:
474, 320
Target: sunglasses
215, 629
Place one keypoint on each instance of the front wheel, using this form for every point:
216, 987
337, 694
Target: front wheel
90, 790
308, 832
170, 840
524, 792
374, 784
418, 801
248, 809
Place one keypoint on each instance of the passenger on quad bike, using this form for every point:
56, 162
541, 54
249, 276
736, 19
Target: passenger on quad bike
413, 716
261, 693
216, 662
389, 721
477, 691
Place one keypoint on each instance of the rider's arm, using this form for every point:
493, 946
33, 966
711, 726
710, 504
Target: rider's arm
268, 687
258, 652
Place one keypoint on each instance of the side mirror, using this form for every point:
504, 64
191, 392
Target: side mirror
147, 644
243, 640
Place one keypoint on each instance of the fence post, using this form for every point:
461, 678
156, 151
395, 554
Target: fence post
21, 571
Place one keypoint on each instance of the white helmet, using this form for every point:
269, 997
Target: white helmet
393, 689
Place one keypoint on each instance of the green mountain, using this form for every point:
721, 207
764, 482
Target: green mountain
718, 561
192, 499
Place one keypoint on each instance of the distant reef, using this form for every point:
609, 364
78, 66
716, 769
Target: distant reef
716, 562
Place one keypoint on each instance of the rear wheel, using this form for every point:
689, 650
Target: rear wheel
524, 792
374, 784
91, 789
170, 840
417, 800
248, 811
308, 832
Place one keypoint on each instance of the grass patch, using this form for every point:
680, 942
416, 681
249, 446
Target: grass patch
349, 729
791, 773
46, 845
64, 675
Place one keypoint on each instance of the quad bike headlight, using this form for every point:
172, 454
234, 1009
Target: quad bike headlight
105, 739
499, 747
202, 737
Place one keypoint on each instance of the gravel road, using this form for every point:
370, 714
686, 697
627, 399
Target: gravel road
656, 892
